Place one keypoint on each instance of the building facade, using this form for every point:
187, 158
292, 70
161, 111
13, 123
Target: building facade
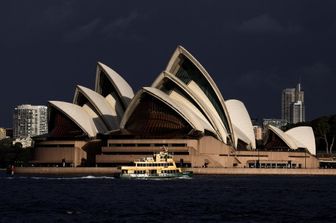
297, 112
2, 133
258, 132
292, 104
30, 120
279, 123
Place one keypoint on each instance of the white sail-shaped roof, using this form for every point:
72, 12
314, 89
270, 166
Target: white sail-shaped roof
198, 105
242, 136
183, 102
120, 87
78, 115
104, 109
194, 121
182, 64
282, 135
299, 137
241, 120
305, 136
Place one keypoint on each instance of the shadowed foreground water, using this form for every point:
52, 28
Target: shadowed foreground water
201, 199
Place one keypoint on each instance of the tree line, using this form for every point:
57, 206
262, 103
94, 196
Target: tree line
13, 154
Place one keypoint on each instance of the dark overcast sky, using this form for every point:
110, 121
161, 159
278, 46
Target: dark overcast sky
252, 49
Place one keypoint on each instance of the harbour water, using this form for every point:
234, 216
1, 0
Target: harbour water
213, 198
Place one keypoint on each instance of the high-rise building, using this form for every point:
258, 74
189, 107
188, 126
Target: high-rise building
292, 104
297, 112
2, 133
30, 120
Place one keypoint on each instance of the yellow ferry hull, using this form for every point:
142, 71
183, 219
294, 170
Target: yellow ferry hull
158, 175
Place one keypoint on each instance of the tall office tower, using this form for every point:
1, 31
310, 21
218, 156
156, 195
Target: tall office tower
2, 133
29, 120
288, 97
297, 112
292, 104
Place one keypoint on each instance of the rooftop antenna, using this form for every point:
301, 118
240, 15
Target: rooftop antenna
298, 86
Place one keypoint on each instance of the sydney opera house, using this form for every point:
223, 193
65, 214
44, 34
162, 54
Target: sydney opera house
182, 110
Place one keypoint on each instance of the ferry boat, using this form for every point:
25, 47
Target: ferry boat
161, 165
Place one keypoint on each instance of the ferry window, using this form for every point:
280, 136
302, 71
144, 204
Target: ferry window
160, 144
143, 145
179, 145
115, 145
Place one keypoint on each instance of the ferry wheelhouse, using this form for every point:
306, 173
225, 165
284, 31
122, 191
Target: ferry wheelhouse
161, 165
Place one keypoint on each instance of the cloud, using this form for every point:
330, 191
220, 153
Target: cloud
318, 73
258, 79
118, 26
113, 28
266, 24
59, 13
83, 32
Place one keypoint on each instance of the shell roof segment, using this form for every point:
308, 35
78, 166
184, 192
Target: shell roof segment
117, 86
175, 88
76, 113
184, 66
191, 117
106, 112
299, 137
305, 136
242, 122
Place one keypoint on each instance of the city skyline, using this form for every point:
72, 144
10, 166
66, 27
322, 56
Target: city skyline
292, 104
252, 50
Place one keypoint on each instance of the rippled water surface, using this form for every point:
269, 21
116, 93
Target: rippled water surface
200, 199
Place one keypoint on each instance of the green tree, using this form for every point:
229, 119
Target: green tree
325, 131
332, 131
